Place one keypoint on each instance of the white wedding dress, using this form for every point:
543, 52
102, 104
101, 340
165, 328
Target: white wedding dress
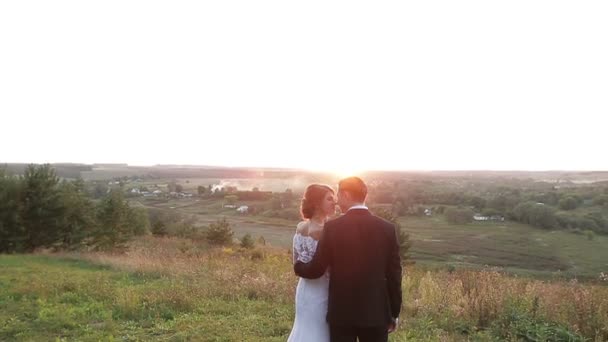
311, 297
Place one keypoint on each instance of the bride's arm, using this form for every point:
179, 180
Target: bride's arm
299, 252
317, 266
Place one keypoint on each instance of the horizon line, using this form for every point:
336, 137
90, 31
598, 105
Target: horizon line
300, 168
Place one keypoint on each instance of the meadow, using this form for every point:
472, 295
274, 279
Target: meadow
171, 289
514, 247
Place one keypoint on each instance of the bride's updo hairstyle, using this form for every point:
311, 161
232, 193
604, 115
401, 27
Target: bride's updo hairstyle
313, 197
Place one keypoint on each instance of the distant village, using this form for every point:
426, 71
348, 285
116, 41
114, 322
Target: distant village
229, 193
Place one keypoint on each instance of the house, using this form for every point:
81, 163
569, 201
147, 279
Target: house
480, 217
243, 209
497, 218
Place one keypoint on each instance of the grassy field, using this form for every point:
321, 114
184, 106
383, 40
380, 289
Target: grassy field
47, 299
516, 247
170, 289
276, 231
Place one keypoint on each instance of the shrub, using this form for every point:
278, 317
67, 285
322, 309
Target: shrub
459, 215
247, 241
219, 233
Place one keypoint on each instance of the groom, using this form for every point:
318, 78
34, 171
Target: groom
362, 254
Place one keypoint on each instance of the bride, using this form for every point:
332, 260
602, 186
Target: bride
317, 206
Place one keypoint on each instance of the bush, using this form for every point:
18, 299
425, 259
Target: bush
517, 324
536, 214
117, 222
590, 235
247, 241
159, 228
459, 215
219, 233
568, 203
261, 241
257, 255
403, 238
172, 223
490, 212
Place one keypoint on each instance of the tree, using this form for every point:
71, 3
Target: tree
171, 222
231, 199
179, 188
261, 241
139, 221
247, 241
201, 190
114, 222
568, 203
536, 214
78, 221
219, 233
490, 212
100, 190
459, 215
287, 198
478, 202
403, 238
159, 228
41, 210
12, 234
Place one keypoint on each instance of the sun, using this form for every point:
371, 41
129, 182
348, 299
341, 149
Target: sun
346, 172
338, 171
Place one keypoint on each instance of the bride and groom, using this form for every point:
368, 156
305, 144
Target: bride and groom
349, 268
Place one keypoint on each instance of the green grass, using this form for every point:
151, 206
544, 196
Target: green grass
159, 291
515, 247
52, 299
44, 299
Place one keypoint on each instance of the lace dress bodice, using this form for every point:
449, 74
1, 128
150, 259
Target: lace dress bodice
304, 248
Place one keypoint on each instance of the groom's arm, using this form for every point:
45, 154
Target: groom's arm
317, 266
394, 274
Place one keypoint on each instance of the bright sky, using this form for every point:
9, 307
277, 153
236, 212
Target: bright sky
341, 86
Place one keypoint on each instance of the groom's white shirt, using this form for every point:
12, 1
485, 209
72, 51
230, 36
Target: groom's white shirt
358, 206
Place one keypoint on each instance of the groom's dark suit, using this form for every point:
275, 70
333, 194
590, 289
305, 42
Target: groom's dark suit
362, 254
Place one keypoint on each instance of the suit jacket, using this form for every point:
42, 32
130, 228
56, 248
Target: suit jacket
362, 254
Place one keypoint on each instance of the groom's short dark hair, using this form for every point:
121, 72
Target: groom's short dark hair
354, 186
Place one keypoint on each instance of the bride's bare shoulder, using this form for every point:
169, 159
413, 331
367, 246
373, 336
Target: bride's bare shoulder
302, 228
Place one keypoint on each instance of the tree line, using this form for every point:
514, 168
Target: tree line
38, 210
540, 204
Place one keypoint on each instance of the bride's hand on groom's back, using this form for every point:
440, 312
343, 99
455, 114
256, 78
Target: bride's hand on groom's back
393, 325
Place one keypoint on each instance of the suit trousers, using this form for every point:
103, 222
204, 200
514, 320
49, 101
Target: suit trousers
364, 334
